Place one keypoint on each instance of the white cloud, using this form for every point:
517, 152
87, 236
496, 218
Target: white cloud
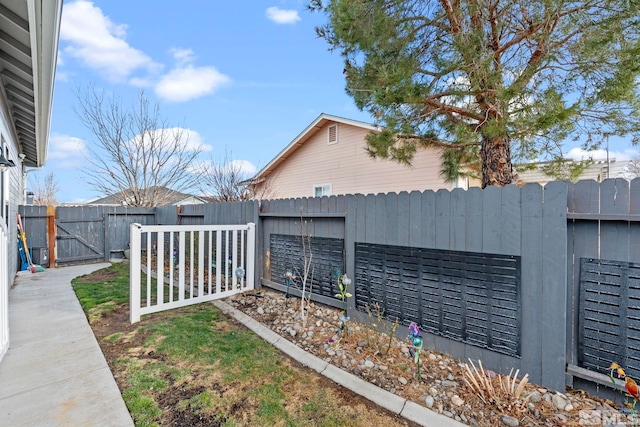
141, 82
186, 82
244, 166
580, 154
282, 16
66, 151
182, 56
99, 43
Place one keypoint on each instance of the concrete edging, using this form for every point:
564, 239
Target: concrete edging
383, 398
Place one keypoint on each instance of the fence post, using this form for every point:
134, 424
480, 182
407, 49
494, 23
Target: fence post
51, 235
134, 273
251, 254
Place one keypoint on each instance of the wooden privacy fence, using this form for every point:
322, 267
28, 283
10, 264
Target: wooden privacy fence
603, 275
179, 265
542, 279
482, 272
82, 234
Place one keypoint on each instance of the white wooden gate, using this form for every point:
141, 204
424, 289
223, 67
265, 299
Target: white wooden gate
178, 265
4, 293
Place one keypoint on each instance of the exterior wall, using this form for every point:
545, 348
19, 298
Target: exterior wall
347, 167
13, 183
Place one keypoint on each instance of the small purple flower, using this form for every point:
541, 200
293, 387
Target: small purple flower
414, 330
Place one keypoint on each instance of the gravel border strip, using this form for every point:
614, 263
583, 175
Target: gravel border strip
391, 402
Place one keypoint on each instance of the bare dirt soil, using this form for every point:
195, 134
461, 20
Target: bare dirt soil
117, 321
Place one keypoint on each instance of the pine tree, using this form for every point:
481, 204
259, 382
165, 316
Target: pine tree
489, 82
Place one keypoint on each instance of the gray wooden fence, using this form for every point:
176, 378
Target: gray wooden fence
83, 234
527, 224
542, 279
603, 301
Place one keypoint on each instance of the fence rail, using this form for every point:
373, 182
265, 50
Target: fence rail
174, 266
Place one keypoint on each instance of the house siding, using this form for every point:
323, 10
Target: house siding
14, 177
16, 198
349, 169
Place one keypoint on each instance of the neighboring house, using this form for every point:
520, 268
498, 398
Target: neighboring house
164, 195
329, 157
29, 35
598, 171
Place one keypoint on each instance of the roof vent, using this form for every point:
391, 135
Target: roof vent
333, 134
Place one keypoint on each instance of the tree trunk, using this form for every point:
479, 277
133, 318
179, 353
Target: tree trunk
496, 162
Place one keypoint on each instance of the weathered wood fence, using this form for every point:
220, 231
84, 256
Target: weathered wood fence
543, 279
82, 234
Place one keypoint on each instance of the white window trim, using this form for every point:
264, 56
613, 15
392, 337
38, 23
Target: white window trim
329, 142
323, 187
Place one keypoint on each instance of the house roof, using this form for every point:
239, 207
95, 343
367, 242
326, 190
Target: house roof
29, 36
307, 133
167, 195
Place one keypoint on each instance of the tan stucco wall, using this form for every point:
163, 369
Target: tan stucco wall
349, 169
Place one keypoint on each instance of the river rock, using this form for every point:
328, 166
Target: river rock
510, 421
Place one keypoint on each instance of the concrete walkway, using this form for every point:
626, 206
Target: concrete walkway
54, 373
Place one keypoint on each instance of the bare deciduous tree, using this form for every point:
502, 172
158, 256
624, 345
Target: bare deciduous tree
632, 170
136, 155
229, 180
44, 192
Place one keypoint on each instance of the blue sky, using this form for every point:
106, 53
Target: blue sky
242, 76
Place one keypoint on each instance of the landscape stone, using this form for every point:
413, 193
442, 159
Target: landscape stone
510, 421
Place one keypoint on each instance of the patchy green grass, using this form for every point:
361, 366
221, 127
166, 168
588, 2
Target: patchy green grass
107, 286
194, 366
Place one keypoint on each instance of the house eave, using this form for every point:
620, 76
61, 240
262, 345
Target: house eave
299, 140
29, 37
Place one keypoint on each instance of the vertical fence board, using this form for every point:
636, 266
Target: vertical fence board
428, 221
492, 220
554, 286
392, 219
442, 239
531, 224
473, 220
415, 217
402, 214
380, 215
614, 235
511, 220
443, 219
370, 218
473, 243
458, 213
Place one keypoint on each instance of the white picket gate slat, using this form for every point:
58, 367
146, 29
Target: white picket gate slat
161, 251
